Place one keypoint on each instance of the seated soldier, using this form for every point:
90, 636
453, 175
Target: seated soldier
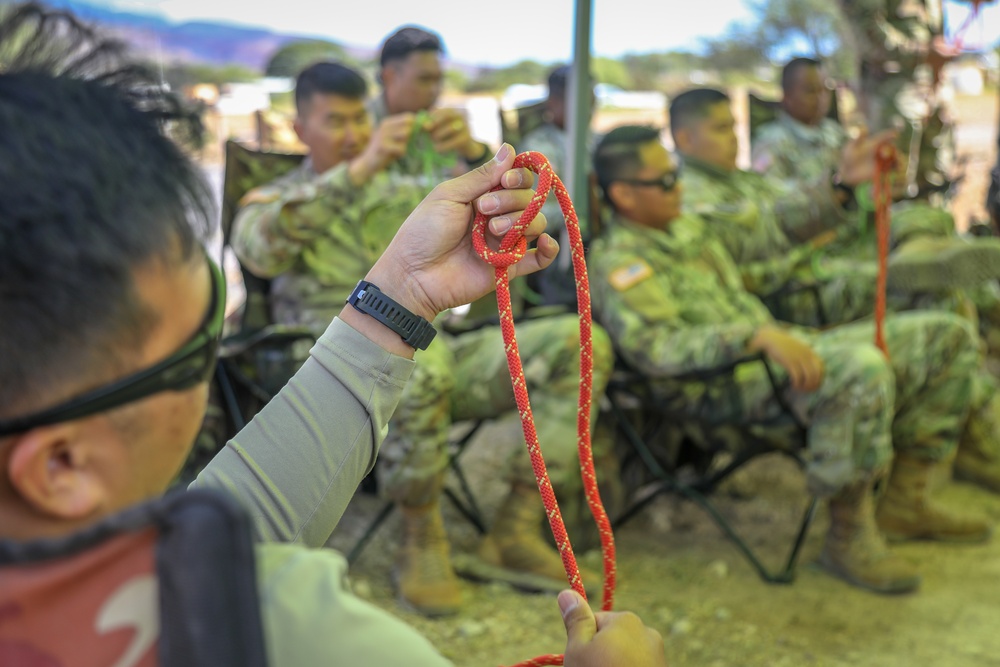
672, 299
316, 232
803, 146
550, 139
106, 279
411, 75
756, 219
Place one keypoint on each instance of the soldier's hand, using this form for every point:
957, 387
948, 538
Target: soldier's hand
387, 144
450, 133
431, 264
857, 160
804, 367
607, 639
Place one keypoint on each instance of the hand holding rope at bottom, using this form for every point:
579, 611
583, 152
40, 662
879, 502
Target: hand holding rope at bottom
511, 250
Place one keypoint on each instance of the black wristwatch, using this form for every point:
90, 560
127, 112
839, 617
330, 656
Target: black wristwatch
413, 329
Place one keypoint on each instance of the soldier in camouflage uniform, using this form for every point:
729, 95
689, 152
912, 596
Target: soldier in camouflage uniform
756, 217
772, 226
316, 232
411, 76
550, 139
803, 145
673, 301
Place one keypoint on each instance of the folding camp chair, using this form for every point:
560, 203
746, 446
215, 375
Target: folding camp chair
171, 583
630, 391
257, 358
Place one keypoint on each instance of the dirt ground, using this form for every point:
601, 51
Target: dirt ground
683, 577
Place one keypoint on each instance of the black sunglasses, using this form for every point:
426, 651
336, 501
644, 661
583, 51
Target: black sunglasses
192, 364
667, 182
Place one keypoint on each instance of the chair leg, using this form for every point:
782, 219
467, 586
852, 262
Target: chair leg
379, 519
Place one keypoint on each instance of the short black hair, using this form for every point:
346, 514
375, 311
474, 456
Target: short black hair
407, 40
92, 189
791, 68
693, 105
328, 78
558, 79
617, 155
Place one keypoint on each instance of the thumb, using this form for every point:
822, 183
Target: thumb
479, 181
581, 626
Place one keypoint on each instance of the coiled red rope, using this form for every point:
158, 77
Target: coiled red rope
511, 250
885, 160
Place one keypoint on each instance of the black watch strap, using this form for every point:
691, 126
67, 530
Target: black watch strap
413, 329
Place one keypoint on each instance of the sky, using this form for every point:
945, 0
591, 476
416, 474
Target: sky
475, 33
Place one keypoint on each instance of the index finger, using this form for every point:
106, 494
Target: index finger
515, 179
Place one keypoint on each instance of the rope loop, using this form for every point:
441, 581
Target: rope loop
511, 250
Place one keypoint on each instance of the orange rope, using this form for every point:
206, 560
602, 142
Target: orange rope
512, 249
885, 159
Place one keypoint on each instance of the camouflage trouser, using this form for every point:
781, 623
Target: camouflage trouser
466, 377
846, 276
866, 406
845, 292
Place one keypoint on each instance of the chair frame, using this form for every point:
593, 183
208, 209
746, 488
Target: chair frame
625, 384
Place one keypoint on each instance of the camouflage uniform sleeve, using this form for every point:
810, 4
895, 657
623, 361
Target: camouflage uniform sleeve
642, 313
769, 155
805, 210
769, 275
275, 222
759, 276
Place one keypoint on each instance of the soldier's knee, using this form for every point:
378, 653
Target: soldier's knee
873, 377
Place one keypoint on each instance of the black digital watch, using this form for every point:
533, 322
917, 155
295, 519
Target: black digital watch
413, 329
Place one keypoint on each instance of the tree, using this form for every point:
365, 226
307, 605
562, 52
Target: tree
782, 29
494, 79
811, 28
295, 56
608, 70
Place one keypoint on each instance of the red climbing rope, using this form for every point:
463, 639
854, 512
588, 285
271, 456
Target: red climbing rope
511, 250
885, 161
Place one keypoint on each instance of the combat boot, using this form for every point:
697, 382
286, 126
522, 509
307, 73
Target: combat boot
423, 574
978, 457
515, 545
934, 264
907, 512
856, 552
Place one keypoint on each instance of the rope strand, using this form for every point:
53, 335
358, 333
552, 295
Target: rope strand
512, 249
885, 158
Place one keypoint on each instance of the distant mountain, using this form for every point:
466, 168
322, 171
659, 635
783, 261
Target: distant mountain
202, 41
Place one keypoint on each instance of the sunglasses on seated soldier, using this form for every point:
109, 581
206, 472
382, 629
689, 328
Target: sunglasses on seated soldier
189, 366
667, 182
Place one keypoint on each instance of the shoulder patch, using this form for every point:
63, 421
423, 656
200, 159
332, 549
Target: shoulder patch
628, 276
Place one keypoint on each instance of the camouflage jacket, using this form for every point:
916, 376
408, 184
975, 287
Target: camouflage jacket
797, 153
316, 236
757, 218
672, 300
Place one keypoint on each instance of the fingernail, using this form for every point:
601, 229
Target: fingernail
513, 179
500, 225
489, 203
502, 153
568, 601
